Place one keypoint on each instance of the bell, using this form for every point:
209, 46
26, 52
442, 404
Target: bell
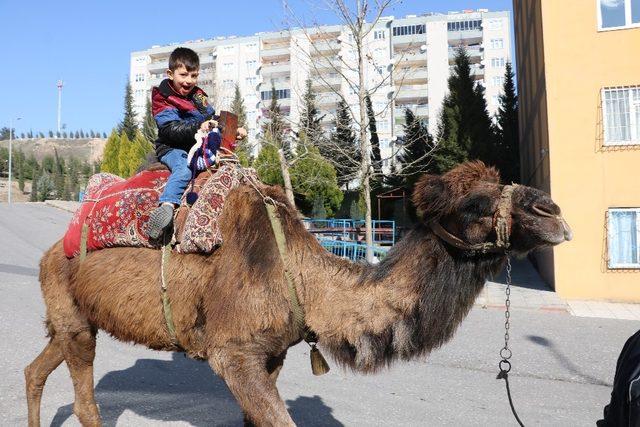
319, 365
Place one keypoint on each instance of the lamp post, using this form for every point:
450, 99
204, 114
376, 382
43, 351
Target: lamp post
10, 154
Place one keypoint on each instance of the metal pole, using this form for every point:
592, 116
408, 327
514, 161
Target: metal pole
59, 103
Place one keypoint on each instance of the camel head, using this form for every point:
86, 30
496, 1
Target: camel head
465, 201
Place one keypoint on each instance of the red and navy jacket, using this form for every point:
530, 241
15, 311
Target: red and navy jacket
178, 117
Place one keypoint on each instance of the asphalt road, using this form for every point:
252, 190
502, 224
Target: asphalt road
562, 374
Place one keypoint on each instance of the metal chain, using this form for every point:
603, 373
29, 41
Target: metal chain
505, 352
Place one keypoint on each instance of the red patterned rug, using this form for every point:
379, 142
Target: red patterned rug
116, 211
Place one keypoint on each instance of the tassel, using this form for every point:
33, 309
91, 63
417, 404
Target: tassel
319, 365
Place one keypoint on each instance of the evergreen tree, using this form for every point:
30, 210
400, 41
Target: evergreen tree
138, 151
48, 163
104, 135
149, 126
21, 173
64, 134
267, 165
376, 156
34, 185
4, 133
128, 124
344, 151
41, 135
77, 135
273, 128
310, 127
58, 135
73, 181
243, 151
58, 176
318, 212
415, 156
465, 129
110, 154
92, 134
508, 139
124, 155
22, 136
45, 187
50, 134
82, 133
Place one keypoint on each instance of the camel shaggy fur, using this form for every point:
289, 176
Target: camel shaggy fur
231, 307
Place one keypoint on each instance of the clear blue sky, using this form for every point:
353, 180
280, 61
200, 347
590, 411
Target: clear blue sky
87, 44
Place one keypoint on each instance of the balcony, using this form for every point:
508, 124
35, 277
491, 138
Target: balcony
410, 57
158, 66
411, 75
475, 54
407, 92
328, 99
275, 68
470, 37
409, 40
325, 82
323, 47
276, 52
420, 110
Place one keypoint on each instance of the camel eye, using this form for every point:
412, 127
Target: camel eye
477, 206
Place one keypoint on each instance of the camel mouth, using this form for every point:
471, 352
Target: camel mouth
562, 232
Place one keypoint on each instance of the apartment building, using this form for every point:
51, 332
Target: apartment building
408, 63
579, 94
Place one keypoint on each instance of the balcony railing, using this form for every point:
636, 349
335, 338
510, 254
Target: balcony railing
412, 91
276, 68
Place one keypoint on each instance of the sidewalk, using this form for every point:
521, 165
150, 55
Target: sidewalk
529, 292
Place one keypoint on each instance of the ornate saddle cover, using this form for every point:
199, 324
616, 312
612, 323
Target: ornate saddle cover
116, 211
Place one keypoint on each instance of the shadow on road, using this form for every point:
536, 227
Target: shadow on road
16, 269
182, 389
565, 362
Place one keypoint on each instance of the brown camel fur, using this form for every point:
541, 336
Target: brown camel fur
232, 308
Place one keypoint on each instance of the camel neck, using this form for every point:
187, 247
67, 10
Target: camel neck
405, 306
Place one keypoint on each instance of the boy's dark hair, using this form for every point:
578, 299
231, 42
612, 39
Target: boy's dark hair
184, 56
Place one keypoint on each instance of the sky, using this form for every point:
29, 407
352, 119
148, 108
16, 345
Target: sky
87, 44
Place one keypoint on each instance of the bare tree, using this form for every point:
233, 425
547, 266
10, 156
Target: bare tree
313, 46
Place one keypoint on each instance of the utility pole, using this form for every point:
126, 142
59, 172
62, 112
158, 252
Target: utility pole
59, 103
10, 155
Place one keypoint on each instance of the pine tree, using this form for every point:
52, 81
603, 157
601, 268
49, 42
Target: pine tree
104, 135
128, 124
138, 151
58, 176
110, 154
21, 173
310, 127
34, 185
45, 187
149, 126
58, 134
273, 128
124, 155
418, 144
508, 139
376, 156
243, 151
465, 129
267, 165
344, 151
50, 134
92, 134
319, 211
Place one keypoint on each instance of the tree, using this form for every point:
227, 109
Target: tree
58, 135
138, 151
41, 135
92, 134
243, 151
50, 134
418, 145
273, 131
58, 176
318, 212
128, 124
343, 148
376, 156
104, 135
76, 135
21, 173
149, 126
64, 134
81, 133
310, 127
124, 154
465, 130
45, 187
507, 137
22, 136
111, 153
267, 165
4, 133
34, 186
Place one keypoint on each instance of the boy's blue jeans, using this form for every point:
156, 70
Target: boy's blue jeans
176, 161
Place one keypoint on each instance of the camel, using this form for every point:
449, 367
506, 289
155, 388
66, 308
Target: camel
232, 307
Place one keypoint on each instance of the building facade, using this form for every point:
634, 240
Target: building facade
579, 93
408, 64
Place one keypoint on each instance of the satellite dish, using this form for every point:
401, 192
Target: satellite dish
423, 48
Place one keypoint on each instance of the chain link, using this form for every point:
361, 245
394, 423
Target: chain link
505, 352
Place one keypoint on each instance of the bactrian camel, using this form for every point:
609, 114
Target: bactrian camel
232, 307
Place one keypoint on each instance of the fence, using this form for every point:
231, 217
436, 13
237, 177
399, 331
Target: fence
384, 231
351, 250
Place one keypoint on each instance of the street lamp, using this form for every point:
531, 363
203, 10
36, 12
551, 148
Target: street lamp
10, 154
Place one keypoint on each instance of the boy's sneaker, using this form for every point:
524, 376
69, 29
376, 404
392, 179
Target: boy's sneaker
159, 219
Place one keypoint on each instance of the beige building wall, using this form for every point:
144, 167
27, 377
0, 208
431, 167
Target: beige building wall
564, 62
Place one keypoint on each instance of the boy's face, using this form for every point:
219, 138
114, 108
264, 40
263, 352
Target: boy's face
182, 80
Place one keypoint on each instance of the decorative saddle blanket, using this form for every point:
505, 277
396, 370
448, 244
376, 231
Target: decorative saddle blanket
116, 211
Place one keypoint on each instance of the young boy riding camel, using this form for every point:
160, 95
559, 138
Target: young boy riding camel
180, 109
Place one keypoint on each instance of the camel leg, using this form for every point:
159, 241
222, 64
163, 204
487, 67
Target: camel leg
79, 352
36, 375
273, 365
253, 386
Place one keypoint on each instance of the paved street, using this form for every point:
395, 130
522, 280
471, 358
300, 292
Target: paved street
563, 365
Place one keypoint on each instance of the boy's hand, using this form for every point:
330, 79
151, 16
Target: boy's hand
241, 133
208, 125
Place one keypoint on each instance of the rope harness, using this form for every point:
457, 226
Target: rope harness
502, 228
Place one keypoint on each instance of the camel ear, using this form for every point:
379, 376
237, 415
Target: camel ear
429, 196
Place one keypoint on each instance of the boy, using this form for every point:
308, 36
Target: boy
180, 109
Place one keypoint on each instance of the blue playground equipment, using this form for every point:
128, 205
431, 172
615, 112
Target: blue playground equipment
384, 231
351, 250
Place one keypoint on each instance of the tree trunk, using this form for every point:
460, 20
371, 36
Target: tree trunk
365, 144
284, 168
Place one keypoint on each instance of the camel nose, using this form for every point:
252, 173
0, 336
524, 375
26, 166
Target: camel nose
568, 234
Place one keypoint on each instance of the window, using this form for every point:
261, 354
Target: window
624, 225
409, 30
139, 77
379, 35
227, 65
497, 43
265, 95
494, 24
228, 48
497, 62
251, 64
497, 81
614, 14
251, 81
464, 25
227, 83
621, 115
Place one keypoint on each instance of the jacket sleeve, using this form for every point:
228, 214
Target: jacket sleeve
176, 131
